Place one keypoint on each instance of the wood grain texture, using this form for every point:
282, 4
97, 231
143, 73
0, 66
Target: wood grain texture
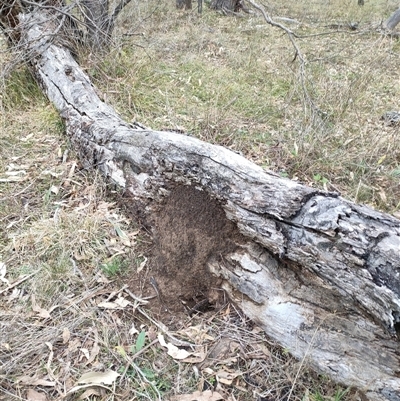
320, 274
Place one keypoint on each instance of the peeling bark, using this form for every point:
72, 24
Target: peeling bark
320, 274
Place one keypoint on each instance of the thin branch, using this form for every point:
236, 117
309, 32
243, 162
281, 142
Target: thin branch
20, 281
298, 54
63, 10
288, 31
118, 9
98, 28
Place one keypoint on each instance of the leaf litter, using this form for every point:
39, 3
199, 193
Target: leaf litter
222, 342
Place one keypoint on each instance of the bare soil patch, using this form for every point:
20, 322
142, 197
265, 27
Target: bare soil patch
189, 230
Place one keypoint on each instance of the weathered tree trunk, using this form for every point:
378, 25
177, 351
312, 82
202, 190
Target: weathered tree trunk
9, 21
97, 22
227, 5
186, 4
392, 21
319, 274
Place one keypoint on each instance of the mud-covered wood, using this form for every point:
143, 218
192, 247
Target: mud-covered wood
320, 274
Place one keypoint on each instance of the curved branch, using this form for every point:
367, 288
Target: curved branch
118, 9
298, 54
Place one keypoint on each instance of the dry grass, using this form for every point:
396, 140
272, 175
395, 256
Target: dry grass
234, 81
231, 81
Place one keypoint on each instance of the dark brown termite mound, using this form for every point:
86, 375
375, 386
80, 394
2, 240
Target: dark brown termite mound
190, 229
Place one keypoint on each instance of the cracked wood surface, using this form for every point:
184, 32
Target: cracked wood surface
320, 274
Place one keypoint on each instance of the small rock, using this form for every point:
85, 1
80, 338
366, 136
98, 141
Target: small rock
391, 117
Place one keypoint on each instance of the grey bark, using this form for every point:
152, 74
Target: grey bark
186, 4
9, 21
97, 22
392, 21
321, 275
226, 5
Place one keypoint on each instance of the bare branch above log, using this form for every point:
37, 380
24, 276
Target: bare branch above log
392, 21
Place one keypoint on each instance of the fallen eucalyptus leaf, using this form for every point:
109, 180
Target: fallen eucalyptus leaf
108, 377
33, 381
174, 351
43, 313
207, 395
66, 335
32, 395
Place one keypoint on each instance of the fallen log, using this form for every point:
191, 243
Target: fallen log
319, 274
392, 21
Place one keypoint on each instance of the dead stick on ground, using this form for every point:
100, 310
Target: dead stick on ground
164, 329
132, 358
133, 296
17, 282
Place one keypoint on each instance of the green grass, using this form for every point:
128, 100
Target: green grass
114, 267
233, 81
338, 395
21, 91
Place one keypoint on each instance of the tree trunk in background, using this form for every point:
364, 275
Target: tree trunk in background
226, 5
321, 275
9, 21
392, 21
186, 4
97, 22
